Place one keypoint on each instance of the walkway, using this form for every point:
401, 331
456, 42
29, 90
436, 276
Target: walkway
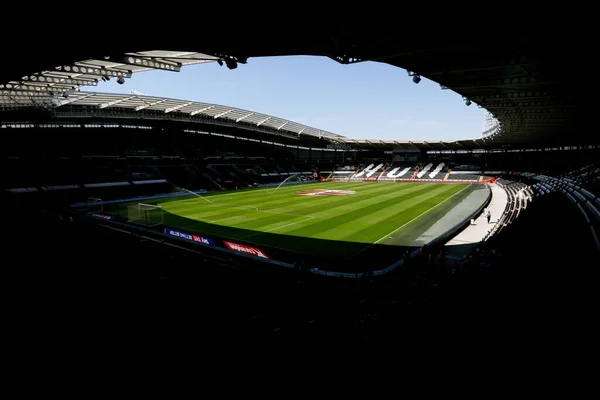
462, 243
456, 216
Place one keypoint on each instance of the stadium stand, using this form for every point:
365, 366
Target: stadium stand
464, 173
531, 257
571, 185
398, 171
139, 296
518, 195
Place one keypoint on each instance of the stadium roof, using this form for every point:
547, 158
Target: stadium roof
89, 107
166, 108
37, 88
519, 76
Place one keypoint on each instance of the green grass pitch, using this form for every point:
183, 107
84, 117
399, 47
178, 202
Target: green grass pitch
342, 226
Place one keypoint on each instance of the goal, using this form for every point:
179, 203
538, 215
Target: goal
94, 204
145, 214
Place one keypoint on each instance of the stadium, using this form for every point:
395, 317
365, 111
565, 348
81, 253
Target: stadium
206, 222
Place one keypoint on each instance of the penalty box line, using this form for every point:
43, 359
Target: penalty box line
245, 209
277, 227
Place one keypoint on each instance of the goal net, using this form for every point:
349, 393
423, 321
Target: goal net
145, 214
94, 204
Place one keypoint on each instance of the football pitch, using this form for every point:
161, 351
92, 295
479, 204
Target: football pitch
332, 220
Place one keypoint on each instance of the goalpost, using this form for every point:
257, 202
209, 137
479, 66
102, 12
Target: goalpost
145, 214
94, 204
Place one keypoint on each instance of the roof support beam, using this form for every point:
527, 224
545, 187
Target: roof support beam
59, 78
282, 125
168, 110
47, 80
244, 117
263, 121
150, 104
112, 103
87, 69
150, 62
399, 144
223, 113
73, 98
302, 130
39, 89
201, 110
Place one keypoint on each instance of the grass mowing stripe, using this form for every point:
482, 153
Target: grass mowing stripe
404, 225
278, 227
298, 207
306, 202
418, 216
289, 221
121, 208
233, 233
281, 230
208, 209
283, 189
260, 199
372, 225
352, 214
332, 206
299, 203
376, 220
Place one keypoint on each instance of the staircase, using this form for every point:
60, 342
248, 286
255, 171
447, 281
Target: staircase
355, 172
414, 173
385, 169
447, 174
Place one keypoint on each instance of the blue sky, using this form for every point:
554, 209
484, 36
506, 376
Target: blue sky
364, 101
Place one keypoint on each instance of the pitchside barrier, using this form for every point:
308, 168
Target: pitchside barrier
143, 231
146, 232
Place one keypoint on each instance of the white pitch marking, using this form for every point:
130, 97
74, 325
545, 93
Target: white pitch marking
397, 229
277, 227
245, 209
423, 213
293, 223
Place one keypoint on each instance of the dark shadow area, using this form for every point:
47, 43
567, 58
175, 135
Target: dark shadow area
85, 291
82, 290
